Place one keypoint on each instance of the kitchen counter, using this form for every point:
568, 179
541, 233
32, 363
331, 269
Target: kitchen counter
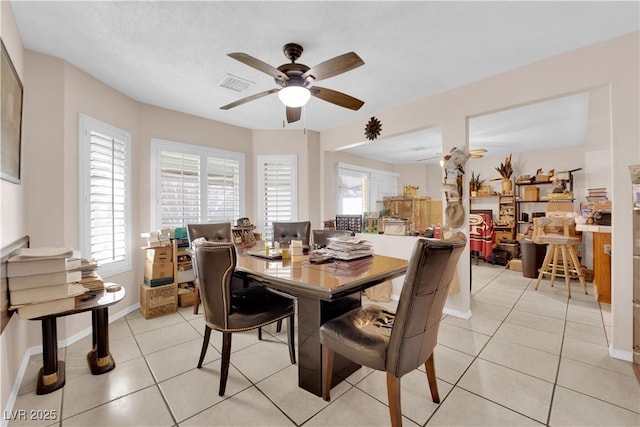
592, 228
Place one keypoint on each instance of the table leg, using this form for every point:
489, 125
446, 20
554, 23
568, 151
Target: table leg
312, 313
99, 358
51, 376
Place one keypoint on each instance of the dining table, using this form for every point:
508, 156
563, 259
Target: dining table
323, 291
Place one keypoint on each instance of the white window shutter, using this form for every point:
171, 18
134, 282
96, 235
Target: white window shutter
277, 196
105, 188
223, 189
179, 189
193, 184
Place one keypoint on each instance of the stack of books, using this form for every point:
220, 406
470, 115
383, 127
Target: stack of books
596, 194
348, 247
90, 278
42, 281
157, 238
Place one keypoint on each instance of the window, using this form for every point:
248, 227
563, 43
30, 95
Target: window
195, 184
277, 191
360, 189
105, 190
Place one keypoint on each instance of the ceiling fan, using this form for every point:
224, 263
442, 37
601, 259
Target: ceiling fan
296, 80
476, 153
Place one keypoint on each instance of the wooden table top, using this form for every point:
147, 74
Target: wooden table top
102, 299
327, 281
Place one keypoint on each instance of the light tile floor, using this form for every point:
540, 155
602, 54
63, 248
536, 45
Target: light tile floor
526, 357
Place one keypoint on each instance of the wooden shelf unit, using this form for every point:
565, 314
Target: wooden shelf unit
505, 224
521, 188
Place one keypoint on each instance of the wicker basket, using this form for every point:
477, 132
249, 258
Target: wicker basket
158, 301
410, 190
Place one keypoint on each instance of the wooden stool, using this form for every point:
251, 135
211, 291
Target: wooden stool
559, 234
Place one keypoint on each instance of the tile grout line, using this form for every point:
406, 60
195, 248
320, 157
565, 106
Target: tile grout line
477, 356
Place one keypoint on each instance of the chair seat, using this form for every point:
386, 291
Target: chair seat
361, 335
248, 307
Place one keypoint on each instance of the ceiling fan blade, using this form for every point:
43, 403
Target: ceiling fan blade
259, 65
478, 151
337, 98
333, 67
293, 114
437, 156
249, 98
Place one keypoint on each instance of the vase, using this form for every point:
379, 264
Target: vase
507, 187
474, 193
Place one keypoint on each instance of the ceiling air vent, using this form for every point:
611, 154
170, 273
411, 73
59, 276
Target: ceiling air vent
235, 83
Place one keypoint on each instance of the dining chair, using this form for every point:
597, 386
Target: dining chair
287, 231
320, 236
559, 235
212, 232
399, 342
241, 310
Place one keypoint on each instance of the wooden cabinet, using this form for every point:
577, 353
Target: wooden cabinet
635, 180
420, 211
602, 266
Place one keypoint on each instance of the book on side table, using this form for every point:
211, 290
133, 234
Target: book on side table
33, 261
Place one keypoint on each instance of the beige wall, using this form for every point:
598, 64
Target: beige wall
15, 338
305, 145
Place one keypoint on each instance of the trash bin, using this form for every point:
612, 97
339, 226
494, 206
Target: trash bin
532, 256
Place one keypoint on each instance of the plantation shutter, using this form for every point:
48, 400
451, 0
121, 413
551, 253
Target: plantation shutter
108, 199
223, 189
179, 189
278, 192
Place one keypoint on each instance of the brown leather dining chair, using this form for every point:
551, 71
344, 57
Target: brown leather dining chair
241, 310
399, 342
212, 232
287, 231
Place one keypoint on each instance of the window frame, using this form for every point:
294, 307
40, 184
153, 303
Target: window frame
86, 125
369, 172
158, 145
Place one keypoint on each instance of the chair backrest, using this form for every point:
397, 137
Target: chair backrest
555, 230
213, 232
426, 285
215, 265
287, 231
320, 236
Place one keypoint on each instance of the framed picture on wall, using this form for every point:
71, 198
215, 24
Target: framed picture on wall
11, 110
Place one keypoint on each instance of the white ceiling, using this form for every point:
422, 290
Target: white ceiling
173, 54
542, 126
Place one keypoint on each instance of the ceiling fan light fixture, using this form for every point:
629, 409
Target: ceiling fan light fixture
294, 96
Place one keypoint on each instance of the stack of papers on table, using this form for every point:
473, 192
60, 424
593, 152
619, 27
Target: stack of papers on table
348, 247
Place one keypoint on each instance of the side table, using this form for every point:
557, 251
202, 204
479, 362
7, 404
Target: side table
52, 374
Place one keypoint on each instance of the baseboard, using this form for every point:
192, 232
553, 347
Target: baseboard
620, 354
457, 313
38, 350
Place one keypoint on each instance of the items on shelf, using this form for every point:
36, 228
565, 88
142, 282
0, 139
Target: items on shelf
419, 212
349, 222
244, 232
